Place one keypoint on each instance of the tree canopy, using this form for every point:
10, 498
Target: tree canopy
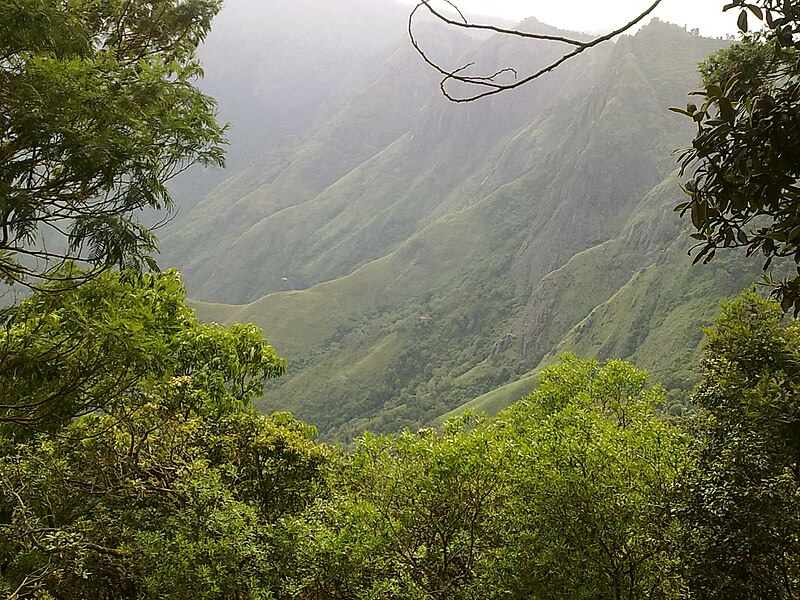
563, 495
132, 463
114, 338
738, 509
98, 109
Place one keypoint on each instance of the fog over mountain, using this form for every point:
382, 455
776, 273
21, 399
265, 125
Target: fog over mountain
280, 68
408, 255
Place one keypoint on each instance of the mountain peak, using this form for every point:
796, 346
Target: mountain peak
534, 25
657, 28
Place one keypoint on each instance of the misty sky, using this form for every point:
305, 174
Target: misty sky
598, 15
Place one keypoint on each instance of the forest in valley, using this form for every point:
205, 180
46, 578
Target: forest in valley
476, 406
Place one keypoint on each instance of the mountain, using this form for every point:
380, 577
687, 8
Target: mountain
409, 256
281, 68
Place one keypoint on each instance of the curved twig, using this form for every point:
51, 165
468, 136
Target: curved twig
489, 83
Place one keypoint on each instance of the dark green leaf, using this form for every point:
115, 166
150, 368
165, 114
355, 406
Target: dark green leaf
741, 22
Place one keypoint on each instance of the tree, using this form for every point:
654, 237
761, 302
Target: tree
593, 468
110, 341
163, 502
410, 516
744, 161
563, 495
97, 111
132, 463
740, 509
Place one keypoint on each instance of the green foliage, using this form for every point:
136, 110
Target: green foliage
97, 111
745, 158
593, 470
156, 502
132, 463
271, 461
740, 512
113, 339
561, 496
747, 64
410, 517
175, 487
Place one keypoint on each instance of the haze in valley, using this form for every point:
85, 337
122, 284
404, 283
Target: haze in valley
409, 256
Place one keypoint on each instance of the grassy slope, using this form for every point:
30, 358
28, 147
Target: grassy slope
565, 250
499, 398
347, 336
656, 320
648, 307
297, 322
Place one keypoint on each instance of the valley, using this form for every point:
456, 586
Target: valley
408, 255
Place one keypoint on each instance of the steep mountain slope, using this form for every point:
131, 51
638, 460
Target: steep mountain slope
473, 246
281, 68
390, 161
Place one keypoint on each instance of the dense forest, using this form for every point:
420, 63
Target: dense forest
134, 464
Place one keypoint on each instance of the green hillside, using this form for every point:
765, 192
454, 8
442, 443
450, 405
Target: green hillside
448, 266
352, 190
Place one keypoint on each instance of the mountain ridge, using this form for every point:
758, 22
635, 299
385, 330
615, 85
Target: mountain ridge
466, 251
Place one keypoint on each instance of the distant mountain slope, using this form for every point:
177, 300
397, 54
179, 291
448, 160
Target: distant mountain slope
470, 243
395, 157
280, 68
275, 206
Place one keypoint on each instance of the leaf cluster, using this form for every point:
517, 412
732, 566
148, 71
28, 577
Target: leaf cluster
744, 161
132, 463
98, 109
739, 508
563, 495
111, 341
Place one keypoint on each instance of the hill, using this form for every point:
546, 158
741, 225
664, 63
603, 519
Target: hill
408, 256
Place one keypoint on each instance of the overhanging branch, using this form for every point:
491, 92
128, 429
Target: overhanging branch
488, 84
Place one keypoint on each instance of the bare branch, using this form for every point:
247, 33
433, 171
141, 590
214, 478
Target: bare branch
488, 84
